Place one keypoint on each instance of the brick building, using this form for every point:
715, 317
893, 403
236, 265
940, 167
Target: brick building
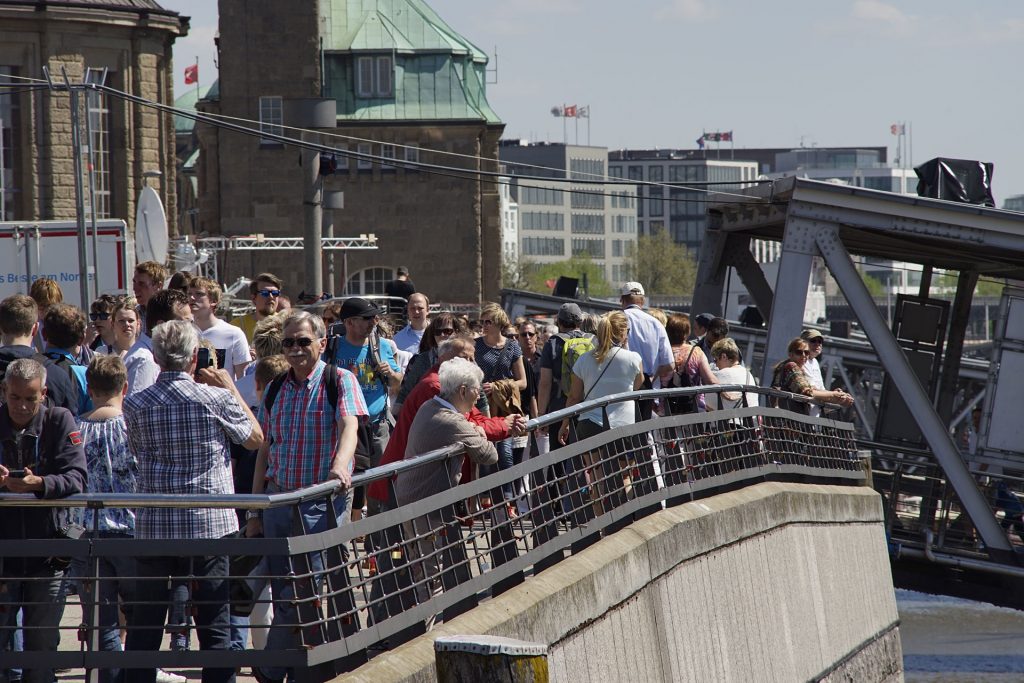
407, 87
125, 44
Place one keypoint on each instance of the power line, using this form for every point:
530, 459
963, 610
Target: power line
597, 177
473, 175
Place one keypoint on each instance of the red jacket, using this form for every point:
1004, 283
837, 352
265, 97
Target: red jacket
428, 387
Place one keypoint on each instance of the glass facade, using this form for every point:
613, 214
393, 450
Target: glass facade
540, 195
98, 111
543, 246
586, 169
588, 223
9, 113
588, 247
541, 220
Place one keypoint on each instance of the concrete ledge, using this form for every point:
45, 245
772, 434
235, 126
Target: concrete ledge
745, 563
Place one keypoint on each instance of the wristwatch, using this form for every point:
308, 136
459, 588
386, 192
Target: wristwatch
253, 514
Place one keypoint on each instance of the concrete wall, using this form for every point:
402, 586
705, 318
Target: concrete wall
776, 582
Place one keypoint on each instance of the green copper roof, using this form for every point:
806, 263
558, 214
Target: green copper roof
187, 101
438, 74
403, 25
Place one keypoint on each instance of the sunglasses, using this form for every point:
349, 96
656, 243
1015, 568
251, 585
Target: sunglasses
527, 334
445, 331
99, 316
304, 342
815, 341
802, 352
486, 322
269, 292
509, 335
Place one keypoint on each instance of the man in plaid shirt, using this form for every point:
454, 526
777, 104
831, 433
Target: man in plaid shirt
179, 430
307, 443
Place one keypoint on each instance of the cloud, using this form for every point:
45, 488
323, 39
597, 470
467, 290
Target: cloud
874, 10
687, 10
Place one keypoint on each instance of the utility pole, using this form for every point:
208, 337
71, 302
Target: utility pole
312, 113
76, 151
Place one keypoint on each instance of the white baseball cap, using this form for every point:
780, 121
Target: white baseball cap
631, 288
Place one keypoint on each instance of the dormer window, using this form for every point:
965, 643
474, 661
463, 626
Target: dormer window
375, 76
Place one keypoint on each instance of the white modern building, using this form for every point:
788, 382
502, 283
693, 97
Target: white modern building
509, 220
559, 219
1014, 203
865, 167
676, 183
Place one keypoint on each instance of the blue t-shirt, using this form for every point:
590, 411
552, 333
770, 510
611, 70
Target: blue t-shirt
356, 360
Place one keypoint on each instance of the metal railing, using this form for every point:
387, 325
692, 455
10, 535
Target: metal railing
373, 583
924, 513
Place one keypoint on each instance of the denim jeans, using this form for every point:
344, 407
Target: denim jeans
110, 584
38, 594
211, 596
277, 523
505, 461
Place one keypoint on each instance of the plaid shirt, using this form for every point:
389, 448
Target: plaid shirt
180, 432
301, 431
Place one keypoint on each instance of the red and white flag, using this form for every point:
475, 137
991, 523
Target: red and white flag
896, 129
570, 111
191, 74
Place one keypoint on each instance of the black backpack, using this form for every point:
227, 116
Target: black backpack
679, 405
364, 443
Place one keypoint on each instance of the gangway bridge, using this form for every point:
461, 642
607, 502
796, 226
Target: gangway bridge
954, 515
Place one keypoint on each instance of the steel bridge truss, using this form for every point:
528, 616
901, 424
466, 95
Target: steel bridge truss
815, 219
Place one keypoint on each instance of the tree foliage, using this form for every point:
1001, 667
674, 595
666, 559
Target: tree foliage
948, 282
875, 286
540, 275
662, 266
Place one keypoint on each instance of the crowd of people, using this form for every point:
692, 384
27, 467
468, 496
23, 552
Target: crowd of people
156, 393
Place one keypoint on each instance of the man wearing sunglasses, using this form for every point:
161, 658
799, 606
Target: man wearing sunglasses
265, 293
308, 441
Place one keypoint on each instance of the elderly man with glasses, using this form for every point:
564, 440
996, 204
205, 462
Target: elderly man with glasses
309, 441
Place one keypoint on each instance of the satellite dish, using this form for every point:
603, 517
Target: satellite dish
150, 228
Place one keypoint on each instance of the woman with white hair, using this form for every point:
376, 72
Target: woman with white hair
441, 422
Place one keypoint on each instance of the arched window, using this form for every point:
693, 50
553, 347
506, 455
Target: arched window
369, 281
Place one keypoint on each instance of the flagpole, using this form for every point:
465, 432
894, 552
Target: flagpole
565, 129
588, 125
197, 79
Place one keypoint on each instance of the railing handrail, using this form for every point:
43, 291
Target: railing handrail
251, 501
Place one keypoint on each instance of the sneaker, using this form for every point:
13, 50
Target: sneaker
167, 677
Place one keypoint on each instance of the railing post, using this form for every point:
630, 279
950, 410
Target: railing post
490, 658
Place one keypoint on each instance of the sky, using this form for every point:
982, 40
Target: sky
657, 73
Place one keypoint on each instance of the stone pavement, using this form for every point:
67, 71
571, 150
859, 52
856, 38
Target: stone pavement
69, 641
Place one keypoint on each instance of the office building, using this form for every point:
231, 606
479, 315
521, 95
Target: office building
558, 219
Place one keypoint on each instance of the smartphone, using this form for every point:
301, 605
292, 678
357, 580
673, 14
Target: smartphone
203, 359
16, 474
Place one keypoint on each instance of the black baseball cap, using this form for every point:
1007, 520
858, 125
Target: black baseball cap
357, 307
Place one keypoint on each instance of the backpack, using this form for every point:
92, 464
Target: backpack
572, 349
681, 378
364, 447
76, 371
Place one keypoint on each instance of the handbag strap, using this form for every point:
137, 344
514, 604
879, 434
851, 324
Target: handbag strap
601, 374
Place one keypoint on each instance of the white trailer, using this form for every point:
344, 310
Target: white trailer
49, 249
